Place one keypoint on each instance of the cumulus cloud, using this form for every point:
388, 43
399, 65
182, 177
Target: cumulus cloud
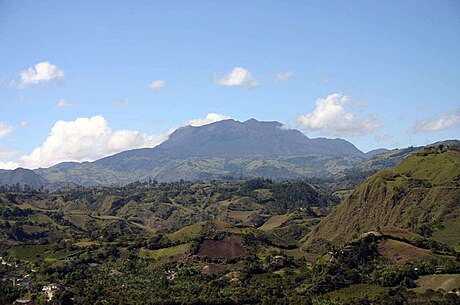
5, 129
382, 138
210, 118
283, 76
237, 77
331, 117
41, 73
8, 165
85, 139
63, 104
441, 122
7, 153
157, 84
24, 124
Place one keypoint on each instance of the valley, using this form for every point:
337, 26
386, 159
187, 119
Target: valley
392, 239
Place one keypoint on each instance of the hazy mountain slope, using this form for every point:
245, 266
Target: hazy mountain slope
229, 139
423, 190
23, 177
377, 151
222, 149
85, 174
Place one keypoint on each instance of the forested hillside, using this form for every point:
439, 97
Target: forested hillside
239, 242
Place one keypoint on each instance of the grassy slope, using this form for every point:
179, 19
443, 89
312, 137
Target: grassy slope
274, 222
447, 282
391, 198
165, 252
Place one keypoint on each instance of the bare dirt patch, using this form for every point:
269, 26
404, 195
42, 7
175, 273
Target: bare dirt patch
227, 248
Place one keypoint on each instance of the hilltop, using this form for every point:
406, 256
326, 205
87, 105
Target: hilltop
419, 196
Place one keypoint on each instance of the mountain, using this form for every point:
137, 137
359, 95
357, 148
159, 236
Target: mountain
419, 196
223, 149
377, 151
231, 139
22, 177
228, 149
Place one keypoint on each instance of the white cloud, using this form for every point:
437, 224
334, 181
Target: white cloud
5, 129
85, 139
40, 73
382, 138
331, 117
210, 118
442, 122
63, 104
9, 165
237, 77
157, 84
24, 124
7, 153
283, 76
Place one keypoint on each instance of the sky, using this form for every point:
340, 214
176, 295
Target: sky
80, 80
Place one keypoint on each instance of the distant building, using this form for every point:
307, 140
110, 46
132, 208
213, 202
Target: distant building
51, 290
277, 260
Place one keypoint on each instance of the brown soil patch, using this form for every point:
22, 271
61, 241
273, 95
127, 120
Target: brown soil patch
226, 248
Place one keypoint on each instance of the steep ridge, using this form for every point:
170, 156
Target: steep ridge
418, 196
22, 177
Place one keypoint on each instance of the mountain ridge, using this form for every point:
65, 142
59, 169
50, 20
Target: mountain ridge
227, 148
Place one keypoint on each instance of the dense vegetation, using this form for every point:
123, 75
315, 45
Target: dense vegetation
235, 242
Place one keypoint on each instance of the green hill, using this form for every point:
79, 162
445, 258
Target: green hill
421, 195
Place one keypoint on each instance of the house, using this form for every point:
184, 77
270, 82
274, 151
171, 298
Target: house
171, 275
277, 260
50, 290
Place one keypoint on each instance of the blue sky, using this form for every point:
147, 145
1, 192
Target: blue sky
377, 73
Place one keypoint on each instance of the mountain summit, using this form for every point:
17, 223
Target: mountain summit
234, 139
221, 149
